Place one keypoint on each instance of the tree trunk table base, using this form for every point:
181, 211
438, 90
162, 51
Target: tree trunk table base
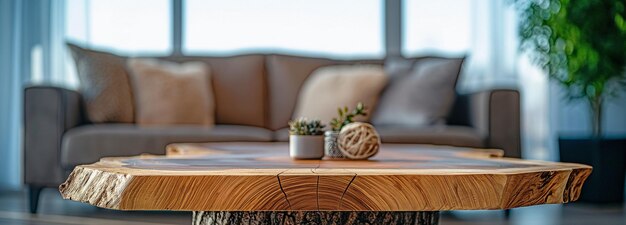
314, 217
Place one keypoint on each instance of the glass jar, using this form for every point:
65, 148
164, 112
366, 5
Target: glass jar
331, 147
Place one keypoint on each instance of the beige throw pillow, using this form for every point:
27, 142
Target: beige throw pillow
331, 87
169, 93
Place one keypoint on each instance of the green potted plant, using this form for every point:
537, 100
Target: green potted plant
582, 45
305, 139
345, 117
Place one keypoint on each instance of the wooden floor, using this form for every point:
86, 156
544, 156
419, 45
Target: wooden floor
55, 211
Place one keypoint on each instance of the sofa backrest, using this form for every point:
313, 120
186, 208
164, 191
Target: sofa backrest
259, 90
262, 89
239, 87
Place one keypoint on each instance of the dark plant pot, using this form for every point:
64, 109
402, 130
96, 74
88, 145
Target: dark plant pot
606, 182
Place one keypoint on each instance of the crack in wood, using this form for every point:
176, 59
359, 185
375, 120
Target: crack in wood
317, 193
346, 190
317, 188
281, 188
317, 167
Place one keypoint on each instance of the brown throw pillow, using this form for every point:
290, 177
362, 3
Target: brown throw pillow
104, 85
331, 87
169, 93
420, 96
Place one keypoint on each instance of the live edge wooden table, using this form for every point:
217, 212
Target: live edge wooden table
257, 183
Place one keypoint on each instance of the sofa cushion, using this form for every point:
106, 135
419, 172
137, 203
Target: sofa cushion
239, 88
436, 135
104, 85
281, 134
169, 93
332, 87
285, 76
87, 144
421, 96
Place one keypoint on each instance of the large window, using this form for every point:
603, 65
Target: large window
341, 28
129, 26
440, 27
337, 28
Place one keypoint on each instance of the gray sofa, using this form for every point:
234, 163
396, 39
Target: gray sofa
255, 97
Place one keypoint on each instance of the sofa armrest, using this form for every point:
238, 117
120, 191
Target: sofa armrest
48, 113
496, 113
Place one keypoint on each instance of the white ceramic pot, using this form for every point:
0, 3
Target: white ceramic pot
306, 146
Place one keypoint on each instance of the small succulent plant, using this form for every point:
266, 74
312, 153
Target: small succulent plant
346, 117
304, 126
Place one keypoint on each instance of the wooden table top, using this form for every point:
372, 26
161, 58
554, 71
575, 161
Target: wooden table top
262, 177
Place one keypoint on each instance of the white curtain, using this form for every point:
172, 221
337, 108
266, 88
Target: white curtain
484, 31
10, 81
31, 52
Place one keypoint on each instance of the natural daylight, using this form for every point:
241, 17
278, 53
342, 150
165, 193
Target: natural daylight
316, 112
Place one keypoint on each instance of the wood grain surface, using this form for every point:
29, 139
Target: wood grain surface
262, 177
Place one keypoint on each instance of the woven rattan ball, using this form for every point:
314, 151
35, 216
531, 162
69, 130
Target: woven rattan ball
358, 140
